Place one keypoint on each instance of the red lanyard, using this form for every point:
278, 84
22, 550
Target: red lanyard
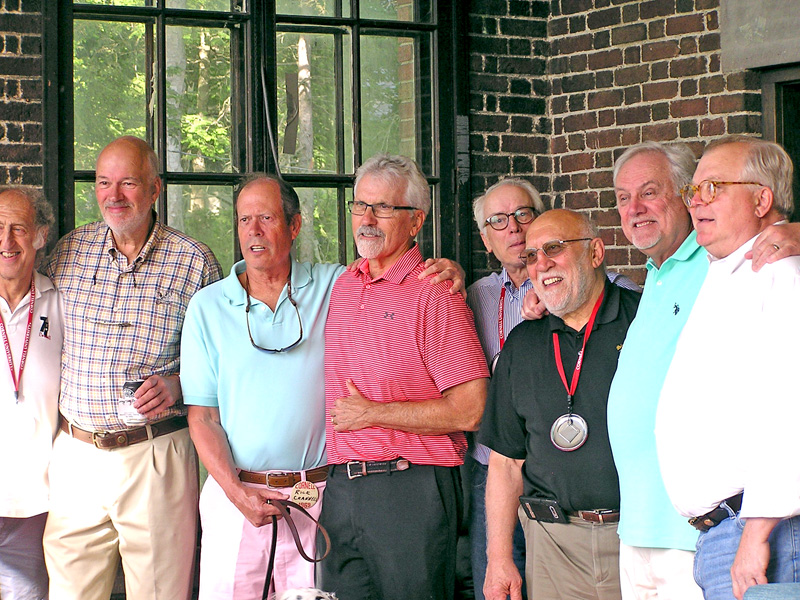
577, 373
6, 343
500, 333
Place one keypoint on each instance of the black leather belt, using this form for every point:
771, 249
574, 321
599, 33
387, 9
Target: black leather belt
601, 515
108, 440
284, 480
357, 468
714, 517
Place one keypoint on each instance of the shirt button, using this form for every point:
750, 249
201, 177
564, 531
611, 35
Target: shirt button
368, 286
362, 306
659, 283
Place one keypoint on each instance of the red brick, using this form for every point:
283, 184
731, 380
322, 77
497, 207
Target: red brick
712, 127
605, 98
558, 144
659, 50
628, 34
580, 122
524, 144
606, 218
688, 108
578, 200
605, 118
733, 103
656, 8
686, 67
601, 179
659, 91
631, 136
605, 59
576, 162
631, 75
660, 132
579, 181
635, 114
604, 138
685, 24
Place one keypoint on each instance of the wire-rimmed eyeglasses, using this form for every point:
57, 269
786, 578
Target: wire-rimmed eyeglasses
247, 318
707, 190
522, 215
381, 210
551, 249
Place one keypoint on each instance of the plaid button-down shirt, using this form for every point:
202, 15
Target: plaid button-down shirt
122, 320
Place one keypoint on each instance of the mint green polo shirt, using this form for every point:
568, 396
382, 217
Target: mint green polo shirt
271, 405
647, 517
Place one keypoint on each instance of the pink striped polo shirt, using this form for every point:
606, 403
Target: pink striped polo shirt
398, 339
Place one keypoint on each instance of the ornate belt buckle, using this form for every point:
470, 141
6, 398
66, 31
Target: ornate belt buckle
402, 464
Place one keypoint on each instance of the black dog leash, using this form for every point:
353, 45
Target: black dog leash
283, 507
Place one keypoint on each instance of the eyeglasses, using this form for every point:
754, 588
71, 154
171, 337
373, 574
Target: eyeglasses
708, 190
380, 210
247, 318
551, 249
499, 221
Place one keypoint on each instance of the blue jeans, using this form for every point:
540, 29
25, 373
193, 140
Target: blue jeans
716, 549
773, 591
477, 530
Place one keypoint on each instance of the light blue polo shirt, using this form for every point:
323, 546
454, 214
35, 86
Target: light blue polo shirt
272, 405
647, 517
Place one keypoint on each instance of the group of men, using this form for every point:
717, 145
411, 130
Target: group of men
349, 392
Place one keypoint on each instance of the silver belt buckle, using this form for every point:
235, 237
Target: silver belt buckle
360, 472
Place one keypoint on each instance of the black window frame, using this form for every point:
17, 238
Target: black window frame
448, 229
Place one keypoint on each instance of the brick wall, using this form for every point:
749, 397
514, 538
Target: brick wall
20, 92
618, 72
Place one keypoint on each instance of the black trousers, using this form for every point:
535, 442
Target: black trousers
394, 535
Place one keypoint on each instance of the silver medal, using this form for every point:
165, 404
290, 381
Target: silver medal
569, 432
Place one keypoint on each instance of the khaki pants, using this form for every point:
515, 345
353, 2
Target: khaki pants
576, 561
137, 504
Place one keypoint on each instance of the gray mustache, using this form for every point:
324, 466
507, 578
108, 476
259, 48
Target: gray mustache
369, 230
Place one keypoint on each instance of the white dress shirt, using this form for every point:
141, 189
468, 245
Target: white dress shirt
730, 406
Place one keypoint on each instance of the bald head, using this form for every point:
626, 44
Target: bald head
572, 277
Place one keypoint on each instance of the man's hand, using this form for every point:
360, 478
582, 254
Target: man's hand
447, 270
351, 412
774, 243
533, 308
157, 394
253, 504
750, 565
502, 580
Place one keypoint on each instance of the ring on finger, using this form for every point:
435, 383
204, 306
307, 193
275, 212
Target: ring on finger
776, 247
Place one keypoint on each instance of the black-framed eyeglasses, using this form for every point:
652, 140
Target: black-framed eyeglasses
381, 210
247, 318
551, 249
707, 190
523, 215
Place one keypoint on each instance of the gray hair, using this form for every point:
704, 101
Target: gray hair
289, 198
392, 169
43, 218
480, 202
769, 164
680, 157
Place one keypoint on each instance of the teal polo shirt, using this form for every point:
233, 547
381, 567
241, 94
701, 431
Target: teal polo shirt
272, 405
647, 517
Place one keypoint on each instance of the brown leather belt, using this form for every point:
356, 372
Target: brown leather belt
596, 516
108, 440
284, 480
714, 517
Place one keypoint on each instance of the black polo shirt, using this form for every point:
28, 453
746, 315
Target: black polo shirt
526, 396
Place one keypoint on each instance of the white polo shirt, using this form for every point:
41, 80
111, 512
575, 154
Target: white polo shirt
30, 425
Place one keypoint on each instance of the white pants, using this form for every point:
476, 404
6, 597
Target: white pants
657, 574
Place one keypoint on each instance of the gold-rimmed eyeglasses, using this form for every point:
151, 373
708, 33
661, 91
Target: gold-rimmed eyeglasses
551, 249
707, 190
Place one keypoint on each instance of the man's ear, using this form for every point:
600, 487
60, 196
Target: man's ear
765, 200
598, 252
41, 238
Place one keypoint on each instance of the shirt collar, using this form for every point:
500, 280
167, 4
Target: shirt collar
233, 290
505, 281
735, 259
152, 239
684, 253
398, 271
